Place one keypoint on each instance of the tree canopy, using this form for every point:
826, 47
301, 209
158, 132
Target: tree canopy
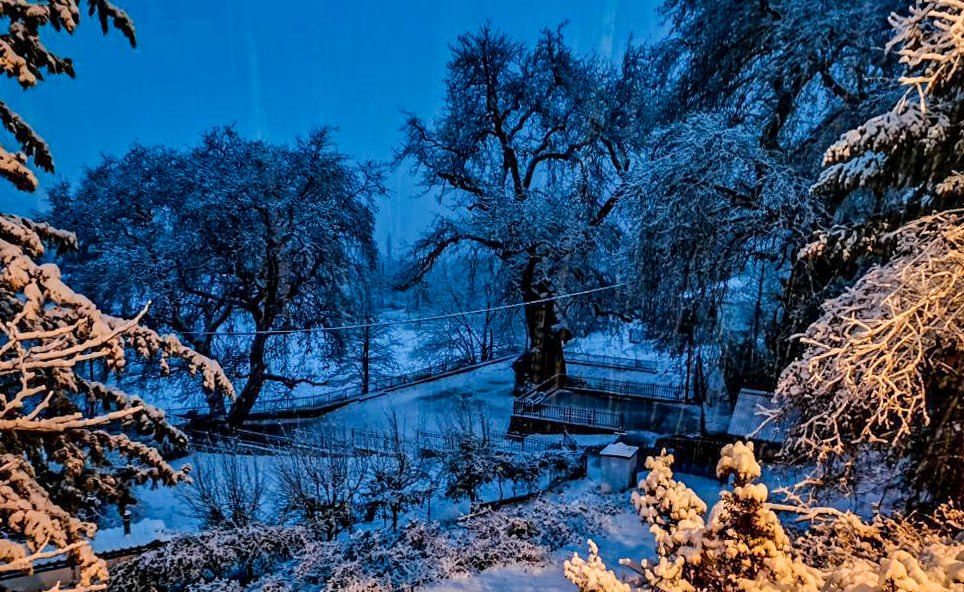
529, 151
233, 236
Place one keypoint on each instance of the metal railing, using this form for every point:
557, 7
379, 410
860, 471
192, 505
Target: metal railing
318, 401
611, 362
569, 415
658, 392
314, 401
543, 389
371, 442
438, 442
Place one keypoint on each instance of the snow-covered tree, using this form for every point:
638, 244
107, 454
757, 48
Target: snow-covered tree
797, 71
25, 58
464, 283
370, 350
742, 546
789, 76
233, 235
228, 489
468, 463
716, 217
882, 367
528, 151
915, 144
399, 476
69, 443
893, 168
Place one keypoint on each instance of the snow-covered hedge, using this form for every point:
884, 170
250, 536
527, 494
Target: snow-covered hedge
188, 563
279, 559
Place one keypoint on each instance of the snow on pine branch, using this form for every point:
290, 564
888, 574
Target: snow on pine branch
872, 358
25, 58
931, 40
64, 433
887, 149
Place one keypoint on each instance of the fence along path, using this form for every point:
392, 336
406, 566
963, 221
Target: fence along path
642, 390
583, 359
537, 404
372, 442
327, 400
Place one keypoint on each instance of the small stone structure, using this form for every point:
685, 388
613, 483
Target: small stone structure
618, 466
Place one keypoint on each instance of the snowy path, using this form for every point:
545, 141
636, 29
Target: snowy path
433, 406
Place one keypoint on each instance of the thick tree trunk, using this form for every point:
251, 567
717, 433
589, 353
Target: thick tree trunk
252, 388
546, 334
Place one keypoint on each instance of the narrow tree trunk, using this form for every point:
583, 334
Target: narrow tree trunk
366, 360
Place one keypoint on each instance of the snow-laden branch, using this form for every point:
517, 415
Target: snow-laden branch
878, 352
66, 432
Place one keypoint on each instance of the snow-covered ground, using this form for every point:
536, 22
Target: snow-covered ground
623, 537
433, 406
438, 405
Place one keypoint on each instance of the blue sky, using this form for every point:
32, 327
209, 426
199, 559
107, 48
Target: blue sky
354, 65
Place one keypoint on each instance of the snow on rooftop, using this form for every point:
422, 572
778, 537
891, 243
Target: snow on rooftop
144, 532
746, 418
619, 449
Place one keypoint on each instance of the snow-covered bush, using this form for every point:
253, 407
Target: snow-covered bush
420, 553
890, 553
399, 479
272, 583
241, 555
321, 487
380, 560
742, 546
501, 538
468, 463
218, 585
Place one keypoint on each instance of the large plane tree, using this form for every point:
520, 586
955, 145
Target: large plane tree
528, 153
233, 240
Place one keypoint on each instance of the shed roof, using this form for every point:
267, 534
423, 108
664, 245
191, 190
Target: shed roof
746, 418
620, 450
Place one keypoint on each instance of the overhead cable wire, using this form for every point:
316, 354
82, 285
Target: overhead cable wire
405, 321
